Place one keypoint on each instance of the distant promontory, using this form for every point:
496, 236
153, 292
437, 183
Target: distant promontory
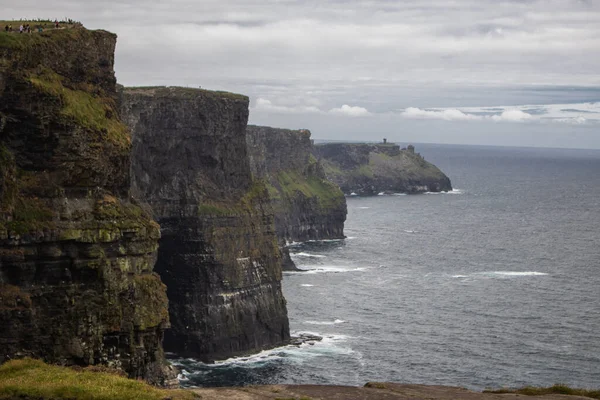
369, 169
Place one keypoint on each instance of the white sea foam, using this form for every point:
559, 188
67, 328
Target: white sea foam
519, 273
350, 237
329, 345
453, 191
306, 285
363, 208
324, 269
409, 231
310, 255
501, 274
380, 194
324, 240
398, 194
337, 321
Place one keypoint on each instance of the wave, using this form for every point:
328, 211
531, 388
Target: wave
501, 274
363, 208
304, 254
328, 345
398, 194
323, 269
323, 240
453, 191
409, 231
334, 322
519, 273
306, 285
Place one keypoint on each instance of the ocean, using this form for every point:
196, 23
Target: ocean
496, 284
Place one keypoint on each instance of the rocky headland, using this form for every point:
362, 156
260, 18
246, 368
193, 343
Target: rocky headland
218, 252
370, 169
306, 204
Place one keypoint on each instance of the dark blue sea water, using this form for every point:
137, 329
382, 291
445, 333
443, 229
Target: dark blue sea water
496, 284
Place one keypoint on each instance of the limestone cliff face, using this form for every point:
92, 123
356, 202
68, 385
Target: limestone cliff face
368, 169
218, 254
307, 206
76, 252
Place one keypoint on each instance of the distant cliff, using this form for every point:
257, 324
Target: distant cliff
307, 206
76, 252
368, 169
218, 253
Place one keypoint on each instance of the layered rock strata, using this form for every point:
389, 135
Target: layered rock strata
368, 169
76, 252
307, 206
218, 253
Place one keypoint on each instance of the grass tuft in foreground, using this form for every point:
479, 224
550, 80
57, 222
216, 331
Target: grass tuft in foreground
556, 389
33, 379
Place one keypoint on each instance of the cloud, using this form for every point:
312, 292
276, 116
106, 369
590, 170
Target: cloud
447, 115
350, 111
268, 106
547, 113
513, 116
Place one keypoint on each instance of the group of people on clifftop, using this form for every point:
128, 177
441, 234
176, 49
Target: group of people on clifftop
27, 28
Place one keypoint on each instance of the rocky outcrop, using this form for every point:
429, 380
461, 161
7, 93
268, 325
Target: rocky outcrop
76, 252
367, 169
307, 206
218, 252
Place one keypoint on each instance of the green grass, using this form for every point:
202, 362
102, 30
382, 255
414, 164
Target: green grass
212, 209
183, 92
556, 389
327, 194
95, 113
30, 214
33, 379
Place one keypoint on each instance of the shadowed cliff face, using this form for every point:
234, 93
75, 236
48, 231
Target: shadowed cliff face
368, 169
76, 254
218, 253
307, 206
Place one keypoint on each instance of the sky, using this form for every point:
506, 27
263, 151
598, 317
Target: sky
488, 72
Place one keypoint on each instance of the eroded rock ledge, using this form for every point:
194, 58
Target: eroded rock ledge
218, 253
368, 169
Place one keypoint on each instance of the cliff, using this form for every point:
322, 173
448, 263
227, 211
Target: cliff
307, 206
368, 169
218, 253
76, 252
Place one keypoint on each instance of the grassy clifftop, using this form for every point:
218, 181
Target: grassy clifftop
33, 379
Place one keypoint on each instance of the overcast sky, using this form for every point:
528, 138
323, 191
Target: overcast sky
475, 72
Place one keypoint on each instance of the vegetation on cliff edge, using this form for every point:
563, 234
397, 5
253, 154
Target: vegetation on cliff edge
33, 379
555, 389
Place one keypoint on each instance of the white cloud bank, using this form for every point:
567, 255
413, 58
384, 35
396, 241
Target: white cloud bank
350, 111
265, 105
576, 114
